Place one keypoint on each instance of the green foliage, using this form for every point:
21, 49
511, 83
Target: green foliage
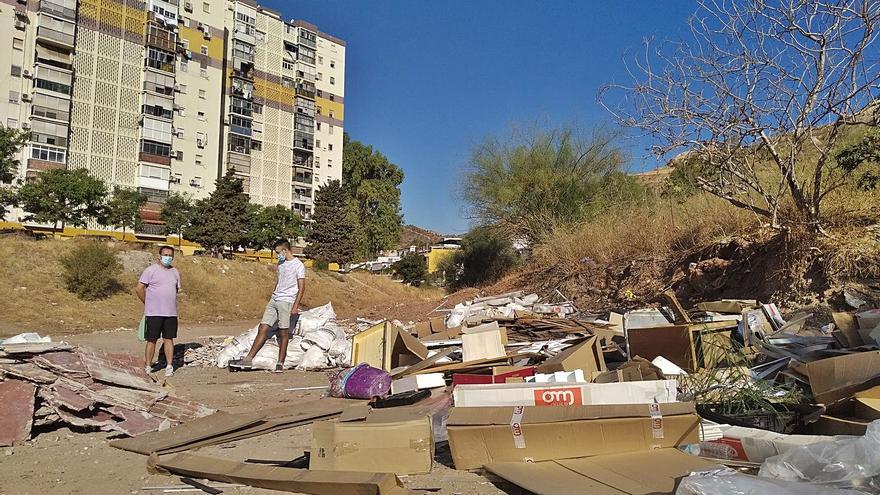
866, 151
272, 223
485, 256
11, 141
221, 220
8, 199
412, 268
331, 236
63, 196
529, 184
682, 182
90, 270
372, 186
177, 213
124, 210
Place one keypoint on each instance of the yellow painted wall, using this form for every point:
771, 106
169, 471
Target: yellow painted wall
436, 256
327, 105
196, 39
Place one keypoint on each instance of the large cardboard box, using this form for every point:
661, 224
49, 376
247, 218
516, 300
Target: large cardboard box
483, 342
586, 356
559, 394
482, 435
402, 447
387, 346
839, 377
632, 473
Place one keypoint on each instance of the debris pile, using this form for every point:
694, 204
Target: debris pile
44, 383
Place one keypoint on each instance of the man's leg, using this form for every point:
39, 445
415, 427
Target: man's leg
283, 339
149, 352
259, 340
284, 325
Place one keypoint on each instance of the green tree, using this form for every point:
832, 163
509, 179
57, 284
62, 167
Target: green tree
272, 223
177, 213
331, 236
63, 196
124, 210
865, 151
532, 181
411, 268
372, 186
486, 255
222, 219
11, 141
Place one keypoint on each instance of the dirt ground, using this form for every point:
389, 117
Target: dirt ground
75, 462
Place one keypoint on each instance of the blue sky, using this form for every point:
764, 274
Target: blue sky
427, 81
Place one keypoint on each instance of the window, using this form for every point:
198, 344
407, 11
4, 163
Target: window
14, 97
184, 66
178, 178
332, 64
179, 132
153, 148
203, 94
330, 129
331, 114
319, 76
181, 88
18, 44
206, 7
242, 106
179, 155
154, 172
318, 109
320, 60
287, 82
201, 115
159, 59
329, 163
332, 98
167, 14
317, 143
196, 182
48, 154
186, 24
15, 70
330, 146
12, 123
318, 125
50, 107
204, 50
201, 139
318, 162
332, 80
185, 42
181, 111
199, 159
203, 72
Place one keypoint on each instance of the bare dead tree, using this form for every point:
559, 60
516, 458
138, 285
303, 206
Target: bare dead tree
759, 82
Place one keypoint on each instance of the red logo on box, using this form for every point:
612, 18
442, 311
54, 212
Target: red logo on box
558, 397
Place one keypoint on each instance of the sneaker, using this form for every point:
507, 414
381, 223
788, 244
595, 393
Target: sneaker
169, 371
241, 363
148, 369
279, 368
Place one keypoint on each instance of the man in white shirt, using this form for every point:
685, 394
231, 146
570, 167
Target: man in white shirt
283, 307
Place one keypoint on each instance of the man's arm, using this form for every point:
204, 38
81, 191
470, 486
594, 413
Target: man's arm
301, 283
141, 291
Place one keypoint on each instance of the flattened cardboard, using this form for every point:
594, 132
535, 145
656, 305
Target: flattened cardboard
867, 404
404, 447
638, 369
430, 327
479, 436
586, 356
839, 377
567, 394
633, 473
730, 306
278, 478
417, 382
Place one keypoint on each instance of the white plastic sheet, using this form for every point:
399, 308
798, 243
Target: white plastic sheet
728, 482
26, 338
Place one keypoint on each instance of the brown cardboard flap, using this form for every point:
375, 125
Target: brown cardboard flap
475, 416
635, 473
835, 378
586, 356
675, 343
402, 447
280, 478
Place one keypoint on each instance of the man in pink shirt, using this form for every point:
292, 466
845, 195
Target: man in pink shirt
157, 288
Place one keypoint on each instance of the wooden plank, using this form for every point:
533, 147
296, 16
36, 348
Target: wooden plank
681, 315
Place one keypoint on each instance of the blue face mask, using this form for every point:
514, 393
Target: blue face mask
281, 258
166, 260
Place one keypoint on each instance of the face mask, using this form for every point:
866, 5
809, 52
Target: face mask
281, 258
166, 260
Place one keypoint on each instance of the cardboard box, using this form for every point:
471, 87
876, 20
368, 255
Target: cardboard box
500, 374
675, 343
387, 346
632, 473
403, 447
437, 407
754, 445
427, 328
867, 404
586, 356
483, 342
638, 369
417, 382
548, 394
483, 435
840, 377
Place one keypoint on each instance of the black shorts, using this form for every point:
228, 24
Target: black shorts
160, 326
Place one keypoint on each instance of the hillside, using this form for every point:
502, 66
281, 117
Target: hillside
417, 236
34, 297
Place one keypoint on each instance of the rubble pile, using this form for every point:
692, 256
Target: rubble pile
44, 383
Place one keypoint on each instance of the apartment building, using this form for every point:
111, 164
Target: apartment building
165, 96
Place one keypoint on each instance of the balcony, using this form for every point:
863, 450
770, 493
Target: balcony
303, 141
40, 165
245, 32
300, 198
302, 178
165, 41
302, 40
151, 158
303, 160
54, 37
160, 65
306, 89
56, 10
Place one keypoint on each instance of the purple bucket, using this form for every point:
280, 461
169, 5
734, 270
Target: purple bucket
361, 382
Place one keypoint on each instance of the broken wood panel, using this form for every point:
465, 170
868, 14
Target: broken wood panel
29, 372
16, 411
138, 400
109, 369
66, 363
134, 423
61, 396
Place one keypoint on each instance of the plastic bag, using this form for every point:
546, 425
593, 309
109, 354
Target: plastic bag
729, 482
142, 329
314, 358
26, 338
841, 462
360, 382
315, 318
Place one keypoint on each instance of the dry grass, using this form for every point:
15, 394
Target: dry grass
35, 299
